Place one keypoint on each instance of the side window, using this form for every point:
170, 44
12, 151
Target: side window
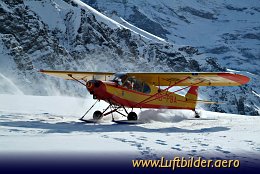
137, 85
146, 88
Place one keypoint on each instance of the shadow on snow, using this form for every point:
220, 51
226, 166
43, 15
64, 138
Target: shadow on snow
68, 127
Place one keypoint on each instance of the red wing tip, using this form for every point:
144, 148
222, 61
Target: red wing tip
245, 79
235, 77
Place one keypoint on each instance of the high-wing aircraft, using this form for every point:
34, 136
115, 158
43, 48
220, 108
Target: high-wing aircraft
144, 89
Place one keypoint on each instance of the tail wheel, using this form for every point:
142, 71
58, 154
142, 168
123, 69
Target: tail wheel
132, 116
197, 115
97, 115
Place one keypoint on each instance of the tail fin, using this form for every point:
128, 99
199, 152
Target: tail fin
192, 94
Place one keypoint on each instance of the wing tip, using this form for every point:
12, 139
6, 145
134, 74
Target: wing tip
241, 79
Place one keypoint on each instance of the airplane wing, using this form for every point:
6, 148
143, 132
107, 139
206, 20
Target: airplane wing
79, 75
161, 79
192, 78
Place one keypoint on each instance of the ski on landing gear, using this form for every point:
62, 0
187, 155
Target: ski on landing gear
128, 122
97, 118
91, 121
131, 119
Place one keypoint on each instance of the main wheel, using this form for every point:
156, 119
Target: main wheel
132, 116
97, 115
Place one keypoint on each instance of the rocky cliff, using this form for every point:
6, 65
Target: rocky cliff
70, 35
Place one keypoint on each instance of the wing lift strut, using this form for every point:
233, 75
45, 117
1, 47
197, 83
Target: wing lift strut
156, 95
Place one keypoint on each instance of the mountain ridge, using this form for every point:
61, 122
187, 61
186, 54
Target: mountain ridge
72, 36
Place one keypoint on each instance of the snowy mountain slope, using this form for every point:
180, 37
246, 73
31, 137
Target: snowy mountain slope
227, 30
70, 35
32, 124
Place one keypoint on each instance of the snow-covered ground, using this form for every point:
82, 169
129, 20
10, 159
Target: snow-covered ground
39, 124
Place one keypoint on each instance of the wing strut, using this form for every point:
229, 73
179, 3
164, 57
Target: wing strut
173, 92
76, 79
145, 100
88, 111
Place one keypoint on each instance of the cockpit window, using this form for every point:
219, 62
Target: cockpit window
120, 78
132, 83
146, 88
136, 85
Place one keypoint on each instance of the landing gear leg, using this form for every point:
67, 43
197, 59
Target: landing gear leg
88, 111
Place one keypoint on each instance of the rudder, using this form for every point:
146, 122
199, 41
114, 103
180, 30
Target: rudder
192, 94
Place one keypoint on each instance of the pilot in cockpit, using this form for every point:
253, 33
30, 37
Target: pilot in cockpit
128, 84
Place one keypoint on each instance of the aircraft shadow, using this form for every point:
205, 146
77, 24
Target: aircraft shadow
68, 127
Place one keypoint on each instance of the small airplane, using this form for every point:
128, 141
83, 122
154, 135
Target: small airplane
143, 89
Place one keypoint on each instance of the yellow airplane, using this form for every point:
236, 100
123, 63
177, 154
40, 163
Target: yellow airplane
143, 89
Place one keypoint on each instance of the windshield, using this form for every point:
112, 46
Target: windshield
120, 78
